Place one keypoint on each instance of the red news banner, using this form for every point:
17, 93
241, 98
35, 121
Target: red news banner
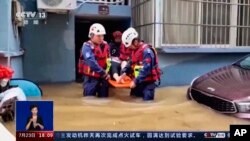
35, 136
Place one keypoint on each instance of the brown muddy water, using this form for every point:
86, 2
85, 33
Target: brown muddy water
170, 111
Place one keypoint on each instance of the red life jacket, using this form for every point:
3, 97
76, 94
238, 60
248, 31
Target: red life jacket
101, 53
124, 53
137, 60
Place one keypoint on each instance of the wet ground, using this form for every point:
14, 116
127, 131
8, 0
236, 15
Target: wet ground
170, 111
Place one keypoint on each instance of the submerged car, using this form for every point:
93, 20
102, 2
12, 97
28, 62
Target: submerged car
226, 90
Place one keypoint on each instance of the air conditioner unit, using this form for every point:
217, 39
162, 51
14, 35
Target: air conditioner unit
56, 5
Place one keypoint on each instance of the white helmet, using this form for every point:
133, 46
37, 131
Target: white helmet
128, 36
96, 29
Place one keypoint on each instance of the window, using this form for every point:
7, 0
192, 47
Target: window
143, 18
206, 23
215, 20
243, 32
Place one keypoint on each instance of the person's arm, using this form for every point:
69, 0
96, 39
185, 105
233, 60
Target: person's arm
148, 56
40, 123
90, 60
29, 121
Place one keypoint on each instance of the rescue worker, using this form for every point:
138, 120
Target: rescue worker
119, 55
143, 65
93, 65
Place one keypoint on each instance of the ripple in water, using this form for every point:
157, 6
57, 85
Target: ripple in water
124, 102
95, 101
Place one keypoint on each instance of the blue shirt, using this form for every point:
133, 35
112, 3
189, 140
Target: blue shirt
90, 60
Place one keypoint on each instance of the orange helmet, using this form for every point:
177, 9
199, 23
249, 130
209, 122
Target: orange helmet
117, 34
6, 72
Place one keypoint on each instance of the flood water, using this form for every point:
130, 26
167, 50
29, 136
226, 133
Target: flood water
170, 111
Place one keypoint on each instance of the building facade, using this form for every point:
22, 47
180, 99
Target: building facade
192, 36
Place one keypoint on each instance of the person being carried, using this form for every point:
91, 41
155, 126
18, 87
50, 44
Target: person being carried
119, 56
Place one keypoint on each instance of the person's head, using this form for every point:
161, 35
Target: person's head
117, 35
34, 109
96, 33
130, 38
4, 82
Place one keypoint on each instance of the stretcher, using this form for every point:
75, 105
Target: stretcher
126, 84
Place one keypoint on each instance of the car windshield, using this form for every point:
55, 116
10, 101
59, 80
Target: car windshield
245, 63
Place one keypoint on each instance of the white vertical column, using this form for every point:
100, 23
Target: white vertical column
158, 28
129, 2
233, 22
199, 21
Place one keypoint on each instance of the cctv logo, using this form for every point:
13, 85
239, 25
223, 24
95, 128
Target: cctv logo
239, 132
31, 15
